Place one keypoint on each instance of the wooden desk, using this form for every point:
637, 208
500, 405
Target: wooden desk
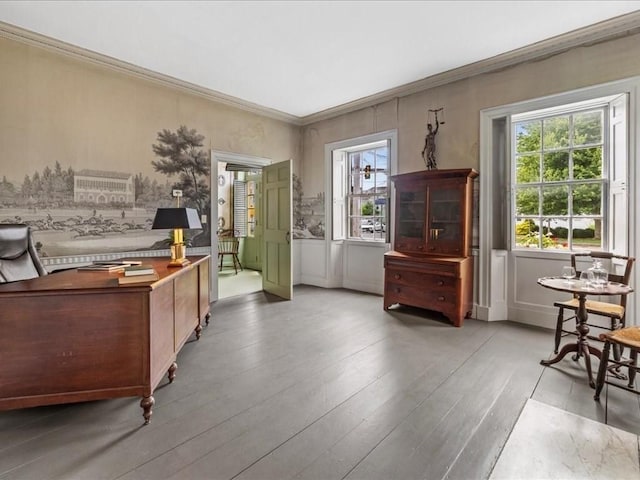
581, 346
76, 336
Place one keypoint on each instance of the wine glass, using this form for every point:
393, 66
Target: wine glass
568, 273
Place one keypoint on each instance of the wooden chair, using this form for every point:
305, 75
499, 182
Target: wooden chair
628, 337
229, 246
614, 312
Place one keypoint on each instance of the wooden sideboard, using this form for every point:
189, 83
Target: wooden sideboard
76, 335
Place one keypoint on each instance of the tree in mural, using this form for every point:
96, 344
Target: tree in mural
181, 154
297, 201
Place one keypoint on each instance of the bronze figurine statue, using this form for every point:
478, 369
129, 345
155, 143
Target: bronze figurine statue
429, 151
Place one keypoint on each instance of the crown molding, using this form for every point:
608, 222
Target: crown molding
607, 30
27, 37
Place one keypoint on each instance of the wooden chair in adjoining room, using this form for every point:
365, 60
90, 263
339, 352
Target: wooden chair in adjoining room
19, 259
628, 338
228, 246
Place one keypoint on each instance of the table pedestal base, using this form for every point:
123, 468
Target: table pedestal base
582, 349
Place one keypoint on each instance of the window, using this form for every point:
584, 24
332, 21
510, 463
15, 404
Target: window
361, 169
367, 182
561, 179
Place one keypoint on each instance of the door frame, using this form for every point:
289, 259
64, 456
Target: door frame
229, 157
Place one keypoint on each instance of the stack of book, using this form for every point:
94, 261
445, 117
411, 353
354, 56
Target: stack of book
138, 274
109, 265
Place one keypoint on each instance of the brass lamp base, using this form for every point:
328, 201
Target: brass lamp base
178, 258
179, 263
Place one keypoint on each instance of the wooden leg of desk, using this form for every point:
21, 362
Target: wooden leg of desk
172, 371
147, 403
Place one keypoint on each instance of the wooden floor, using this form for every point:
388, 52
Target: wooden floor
327, 386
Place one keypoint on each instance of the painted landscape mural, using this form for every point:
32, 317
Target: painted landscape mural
98, 210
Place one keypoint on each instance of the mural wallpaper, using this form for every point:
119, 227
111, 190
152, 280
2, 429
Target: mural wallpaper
96, 210
308, 213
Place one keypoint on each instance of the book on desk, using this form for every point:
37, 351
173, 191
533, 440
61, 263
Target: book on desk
109, 265
135, 270
103, 267
124, 263
146, 278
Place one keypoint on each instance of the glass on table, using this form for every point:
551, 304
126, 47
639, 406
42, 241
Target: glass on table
568, 273
586, 279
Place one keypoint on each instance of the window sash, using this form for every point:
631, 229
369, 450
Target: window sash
562, 215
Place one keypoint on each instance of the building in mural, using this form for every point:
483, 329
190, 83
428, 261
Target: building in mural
102, 187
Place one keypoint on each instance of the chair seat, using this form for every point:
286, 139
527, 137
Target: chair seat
595, 307
628, 337
609, 370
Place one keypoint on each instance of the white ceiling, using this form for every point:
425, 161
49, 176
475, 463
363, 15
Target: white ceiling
303, 57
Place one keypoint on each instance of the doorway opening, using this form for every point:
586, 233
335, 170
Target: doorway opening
272, 218
236, 210
238, 232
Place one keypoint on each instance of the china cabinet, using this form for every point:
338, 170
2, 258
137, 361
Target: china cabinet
430, 265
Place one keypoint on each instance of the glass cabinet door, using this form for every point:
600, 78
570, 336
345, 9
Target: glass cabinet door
411, 214
446, 224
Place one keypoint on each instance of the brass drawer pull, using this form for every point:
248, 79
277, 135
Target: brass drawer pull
441, 299
397, 276
440, 283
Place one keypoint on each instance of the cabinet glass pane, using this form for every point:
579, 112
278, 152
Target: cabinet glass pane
411, 214
445, 214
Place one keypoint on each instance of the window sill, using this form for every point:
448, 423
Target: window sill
535, 253
365, 243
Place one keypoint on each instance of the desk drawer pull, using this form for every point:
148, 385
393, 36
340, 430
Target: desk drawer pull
397, 276
441, 298
440, 283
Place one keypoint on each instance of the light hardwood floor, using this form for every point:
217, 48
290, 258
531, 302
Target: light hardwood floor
326, 386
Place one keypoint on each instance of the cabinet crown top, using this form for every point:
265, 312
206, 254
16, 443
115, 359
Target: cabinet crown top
438, 174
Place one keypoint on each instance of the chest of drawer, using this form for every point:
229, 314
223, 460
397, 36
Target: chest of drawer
412, 295
425, 281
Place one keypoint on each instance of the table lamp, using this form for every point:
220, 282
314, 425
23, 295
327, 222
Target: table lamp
177, 219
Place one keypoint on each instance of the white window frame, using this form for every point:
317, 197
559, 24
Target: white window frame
493, 258
601, 104
337, 175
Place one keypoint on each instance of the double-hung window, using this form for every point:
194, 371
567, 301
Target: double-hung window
561, 177
361, 183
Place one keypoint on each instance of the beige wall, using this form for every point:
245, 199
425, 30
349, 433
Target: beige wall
457, 141
57, 108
